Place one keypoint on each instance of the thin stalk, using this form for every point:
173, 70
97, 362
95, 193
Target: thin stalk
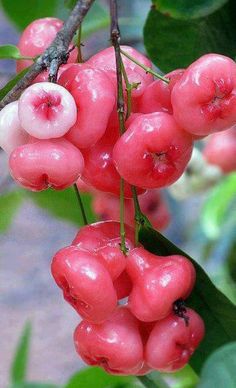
81, 206
128, 91
115, 38
79, 45
137, 215
147, 69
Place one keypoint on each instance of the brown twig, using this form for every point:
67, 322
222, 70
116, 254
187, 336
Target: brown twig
55, 55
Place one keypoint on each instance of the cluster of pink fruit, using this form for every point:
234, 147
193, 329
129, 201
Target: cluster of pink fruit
59, 134
152, 330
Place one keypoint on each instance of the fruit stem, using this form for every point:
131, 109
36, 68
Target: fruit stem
148, 383
137, 214
115, 38
128, 90
147, 69
79, 45
85, 221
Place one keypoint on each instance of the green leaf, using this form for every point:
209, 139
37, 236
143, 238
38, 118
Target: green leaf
96, 377
9, 51
219, 370
173, 43
6, 88
188, 9
218, 313
20, 361
218, 206
63, 204
9, 204
23, 12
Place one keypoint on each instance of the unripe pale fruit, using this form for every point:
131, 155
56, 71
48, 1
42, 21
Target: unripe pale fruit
204, 99
37, 36
114, 345
153, 152
171, 342
95, 98
105, 60
157, 95
47, 110
12, 134
158, 281
86, 284
220, 150
46, 163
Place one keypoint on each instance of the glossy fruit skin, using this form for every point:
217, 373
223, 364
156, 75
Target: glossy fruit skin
152, 204
171, 343
47, 110
105, 60
153, 152
101, 234
123, 285
114, 345
157, 95
95, 97
46, 163
85, 282
158, 281
99, 170
220, 150
12, 134
204, 99
37, 36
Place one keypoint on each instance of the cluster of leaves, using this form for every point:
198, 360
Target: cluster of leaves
178, 32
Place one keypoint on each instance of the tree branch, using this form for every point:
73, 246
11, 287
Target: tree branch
55, 55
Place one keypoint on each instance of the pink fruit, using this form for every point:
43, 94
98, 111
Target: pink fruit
96, 236
123, 285
84, 187
99, 170
37, 36
204, 99
12, 134
152, 204
43, 77
86, 284
221, 150
158, 282
157, 95
153, 152
105, 60
114, 345
46, 163
171, 343
95, 96
47, 110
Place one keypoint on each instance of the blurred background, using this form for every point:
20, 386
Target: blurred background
34, 226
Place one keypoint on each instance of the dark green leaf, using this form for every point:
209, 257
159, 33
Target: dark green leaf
9, 203
96, 377
63, 204
188, 9
19, 364
23, 12
218, 313
217, 206
9, 51
220, 368
6, 88
173, 43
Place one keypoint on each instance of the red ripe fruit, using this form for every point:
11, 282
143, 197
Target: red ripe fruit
172, 342
158, 281
85, 282
153, 152
114, 345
